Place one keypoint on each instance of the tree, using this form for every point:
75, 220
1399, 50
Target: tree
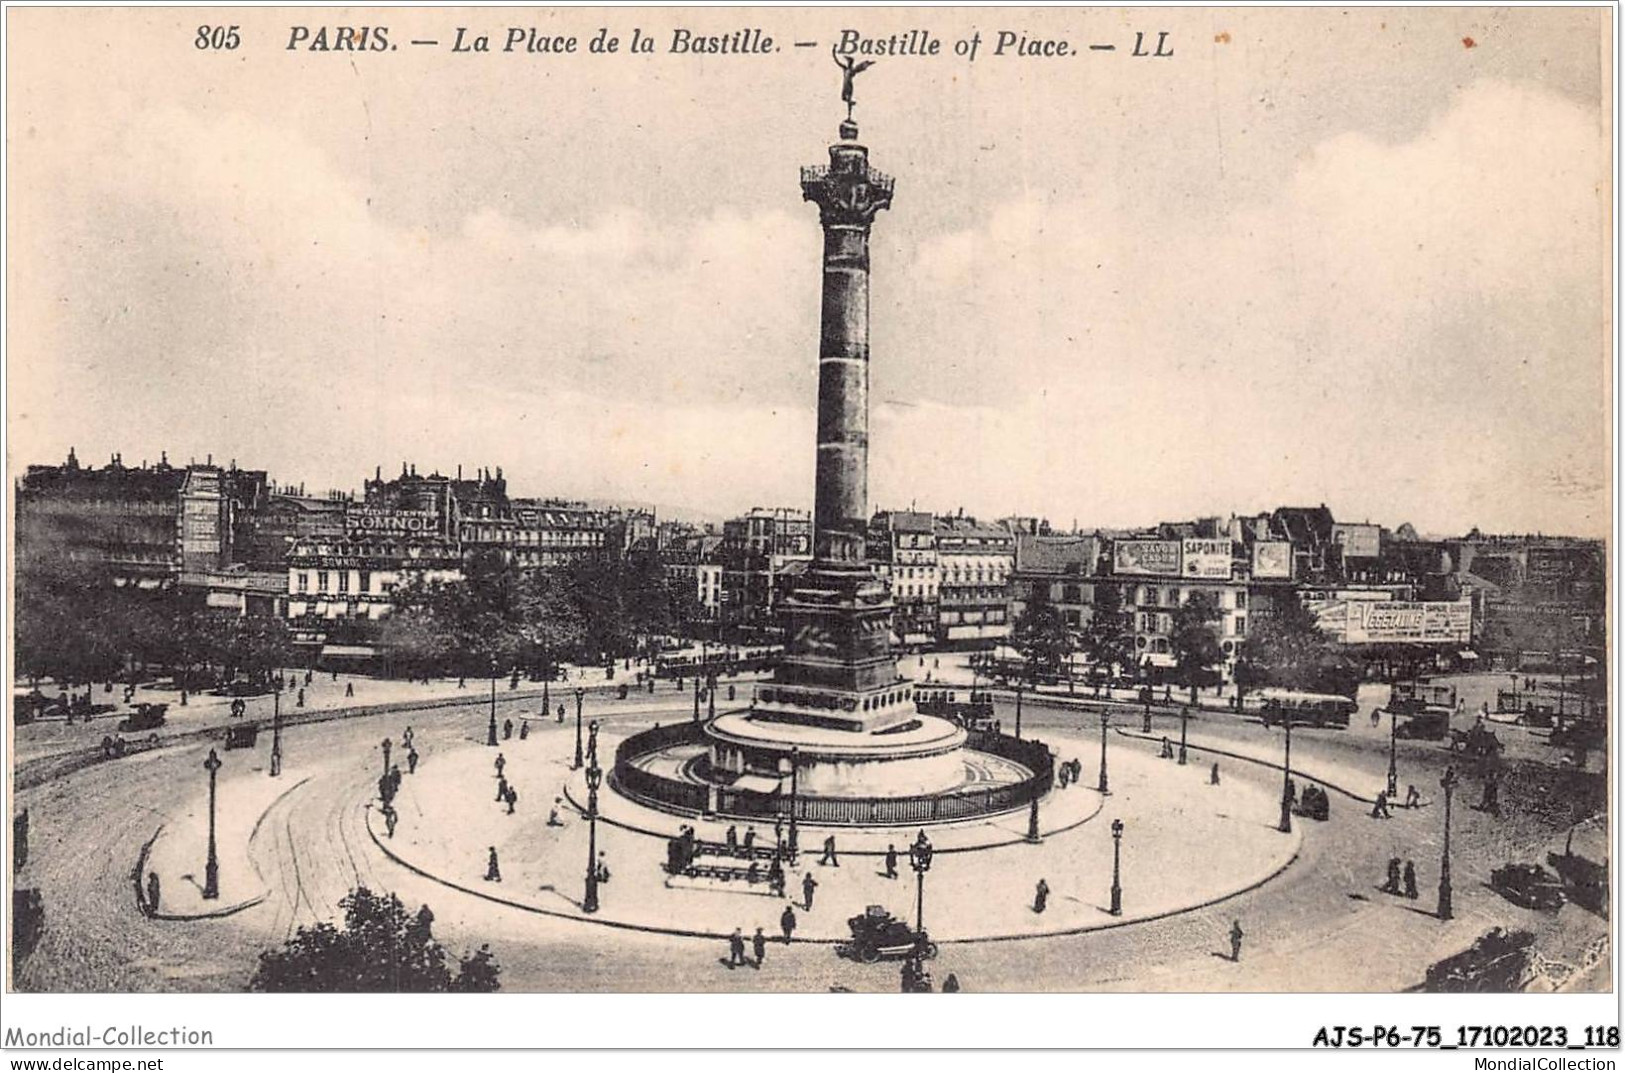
1193, 642
1042, 637
1105, 639
380, 948
1287, 648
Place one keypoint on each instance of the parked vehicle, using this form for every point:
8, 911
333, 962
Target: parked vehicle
1498, 961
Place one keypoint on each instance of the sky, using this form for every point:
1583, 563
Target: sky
1356, 257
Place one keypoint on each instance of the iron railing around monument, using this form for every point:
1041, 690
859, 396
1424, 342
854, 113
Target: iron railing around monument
661, 791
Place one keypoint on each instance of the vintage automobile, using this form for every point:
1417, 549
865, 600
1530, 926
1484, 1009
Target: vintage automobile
1313, 804
1579, 733
1528, 885
1498, 961
1478, 741
145, 717
877, 934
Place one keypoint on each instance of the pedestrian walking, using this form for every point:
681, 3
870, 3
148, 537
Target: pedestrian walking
502, 789
561, 711
1491, 800
507, 729
493, 872
394, 779
736, 949
1412, 798
553, 815
308, 675
1167, 749
524, 730
891, 861
512, 796
787, 923
349, 689
390, 819
1041, 896
1392, 886
750, 839
809, 886
733, 838
411, 761
829, 857
1213, 777
462, 683
1379, 811
758, 946
152, 894
299, 702
950, 986
501, 762
1236, 935
1410, 880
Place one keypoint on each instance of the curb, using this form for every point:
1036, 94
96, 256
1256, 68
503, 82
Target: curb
1272, 766
223, 911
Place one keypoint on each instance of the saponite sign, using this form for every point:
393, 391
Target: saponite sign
1146, 557
1206, 559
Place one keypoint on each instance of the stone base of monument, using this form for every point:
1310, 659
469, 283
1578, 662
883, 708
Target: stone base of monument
917, 772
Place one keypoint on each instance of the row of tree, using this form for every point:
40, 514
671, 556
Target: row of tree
74, 626
1286, 648
498, 619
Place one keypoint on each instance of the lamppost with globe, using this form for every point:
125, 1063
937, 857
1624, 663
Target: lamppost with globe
211, 867
1285, 825
276, 727
595, 778
1393, 753
919, 859
575, 765
1446, 908
491, 727
1117, 870
1105, 720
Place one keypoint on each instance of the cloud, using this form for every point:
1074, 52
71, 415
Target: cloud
1410, 329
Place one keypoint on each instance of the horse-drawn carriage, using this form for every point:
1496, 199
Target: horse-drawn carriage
1313, 804
877, 934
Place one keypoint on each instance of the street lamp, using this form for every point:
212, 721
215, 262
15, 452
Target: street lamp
1393, 753
575, 765
1446, 909
211, 869
1032, 816
592, 743
386, 757
1184, 718
1117, 868
795, 776
276, 727
1105, 720
595, 778
1018, 710
491, 729
1285, 826
919, 859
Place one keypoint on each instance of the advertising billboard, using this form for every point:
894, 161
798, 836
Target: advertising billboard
1358, 541
1154, 558
1272, 559
363, 522
1206, 559
1358, 622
